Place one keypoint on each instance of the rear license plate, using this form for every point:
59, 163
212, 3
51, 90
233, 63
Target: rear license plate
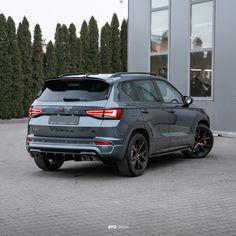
64, 120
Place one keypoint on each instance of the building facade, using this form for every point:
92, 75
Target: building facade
191, 43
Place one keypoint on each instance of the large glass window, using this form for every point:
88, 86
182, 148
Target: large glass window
159, 37
159, 65
201, 29
201, 49
201, 74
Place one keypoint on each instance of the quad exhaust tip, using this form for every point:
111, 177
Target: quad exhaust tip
88, 158
82, 157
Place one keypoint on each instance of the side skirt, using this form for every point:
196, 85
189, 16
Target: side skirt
170, 150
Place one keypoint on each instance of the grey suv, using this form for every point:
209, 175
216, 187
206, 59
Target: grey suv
120, 119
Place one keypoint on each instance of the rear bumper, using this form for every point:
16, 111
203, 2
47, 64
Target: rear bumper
115, 151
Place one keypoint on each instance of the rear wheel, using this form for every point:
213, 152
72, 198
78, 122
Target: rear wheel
47, 164
203, 143
136, 157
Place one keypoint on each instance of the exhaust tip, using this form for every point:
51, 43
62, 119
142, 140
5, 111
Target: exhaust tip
35, 154
84, 158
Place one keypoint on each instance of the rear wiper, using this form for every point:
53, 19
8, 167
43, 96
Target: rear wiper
73, 99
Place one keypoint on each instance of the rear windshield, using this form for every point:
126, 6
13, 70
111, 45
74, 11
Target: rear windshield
79, 90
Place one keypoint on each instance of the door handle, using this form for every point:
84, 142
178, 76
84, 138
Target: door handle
145, 111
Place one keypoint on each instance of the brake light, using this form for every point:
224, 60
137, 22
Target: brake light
114, 114
96, 113
103, 143
29, 139
33, 112
109, 114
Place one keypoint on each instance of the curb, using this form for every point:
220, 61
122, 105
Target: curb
224, 134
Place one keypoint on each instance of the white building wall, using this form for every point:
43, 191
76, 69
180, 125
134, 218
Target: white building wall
222, 108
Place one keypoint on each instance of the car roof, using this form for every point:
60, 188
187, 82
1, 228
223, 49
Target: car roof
109, 78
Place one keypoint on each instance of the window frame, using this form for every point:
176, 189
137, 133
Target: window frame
212, 49
167, 53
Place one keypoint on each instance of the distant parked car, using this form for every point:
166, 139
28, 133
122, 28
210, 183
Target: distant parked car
120, 119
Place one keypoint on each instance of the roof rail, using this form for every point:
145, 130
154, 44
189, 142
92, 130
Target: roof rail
132, 73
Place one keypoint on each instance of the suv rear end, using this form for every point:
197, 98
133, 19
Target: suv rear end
70, 120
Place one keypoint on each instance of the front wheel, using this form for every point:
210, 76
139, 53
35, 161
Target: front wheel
136, 157
45, 163
203, 143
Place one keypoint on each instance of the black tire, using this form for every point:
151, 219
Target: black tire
203, 143
136, 157
47, 164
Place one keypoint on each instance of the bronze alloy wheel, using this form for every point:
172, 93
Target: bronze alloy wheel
203, 142
135, 160
139, 154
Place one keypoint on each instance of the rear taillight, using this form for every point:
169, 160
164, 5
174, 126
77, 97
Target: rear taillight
29, 139
109, 114
96, 113
33, 112
103, 143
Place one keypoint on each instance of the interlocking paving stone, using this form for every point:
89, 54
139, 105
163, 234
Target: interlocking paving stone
175, 196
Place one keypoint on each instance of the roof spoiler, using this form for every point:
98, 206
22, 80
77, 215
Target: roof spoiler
86, 75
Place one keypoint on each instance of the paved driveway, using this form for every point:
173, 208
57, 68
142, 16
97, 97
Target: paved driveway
175, 196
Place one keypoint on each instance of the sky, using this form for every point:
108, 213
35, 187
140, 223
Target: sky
48, 13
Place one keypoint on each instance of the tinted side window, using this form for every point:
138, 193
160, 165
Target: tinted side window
169, 94
139, 90
145, 91
127, 92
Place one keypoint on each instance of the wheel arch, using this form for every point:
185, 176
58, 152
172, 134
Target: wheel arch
142, 131
204, 122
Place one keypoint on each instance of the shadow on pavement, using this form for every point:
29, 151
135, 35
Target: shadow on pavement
165, 161
97, 169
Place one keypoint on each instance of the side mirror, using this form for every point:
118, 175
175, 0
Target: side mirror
187, 101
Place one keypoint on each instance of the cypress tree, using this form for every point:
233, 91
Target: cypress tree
49, 61
123, 47
84, 48
5, 72
24, 43
106, 50
78, 54
93, 45
115, 39
74, 51
37, 61
57, 46
62, 49
17, 87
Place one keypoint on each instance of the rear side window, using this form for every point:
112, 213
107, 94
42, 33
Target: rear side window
78, 90
139, 90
